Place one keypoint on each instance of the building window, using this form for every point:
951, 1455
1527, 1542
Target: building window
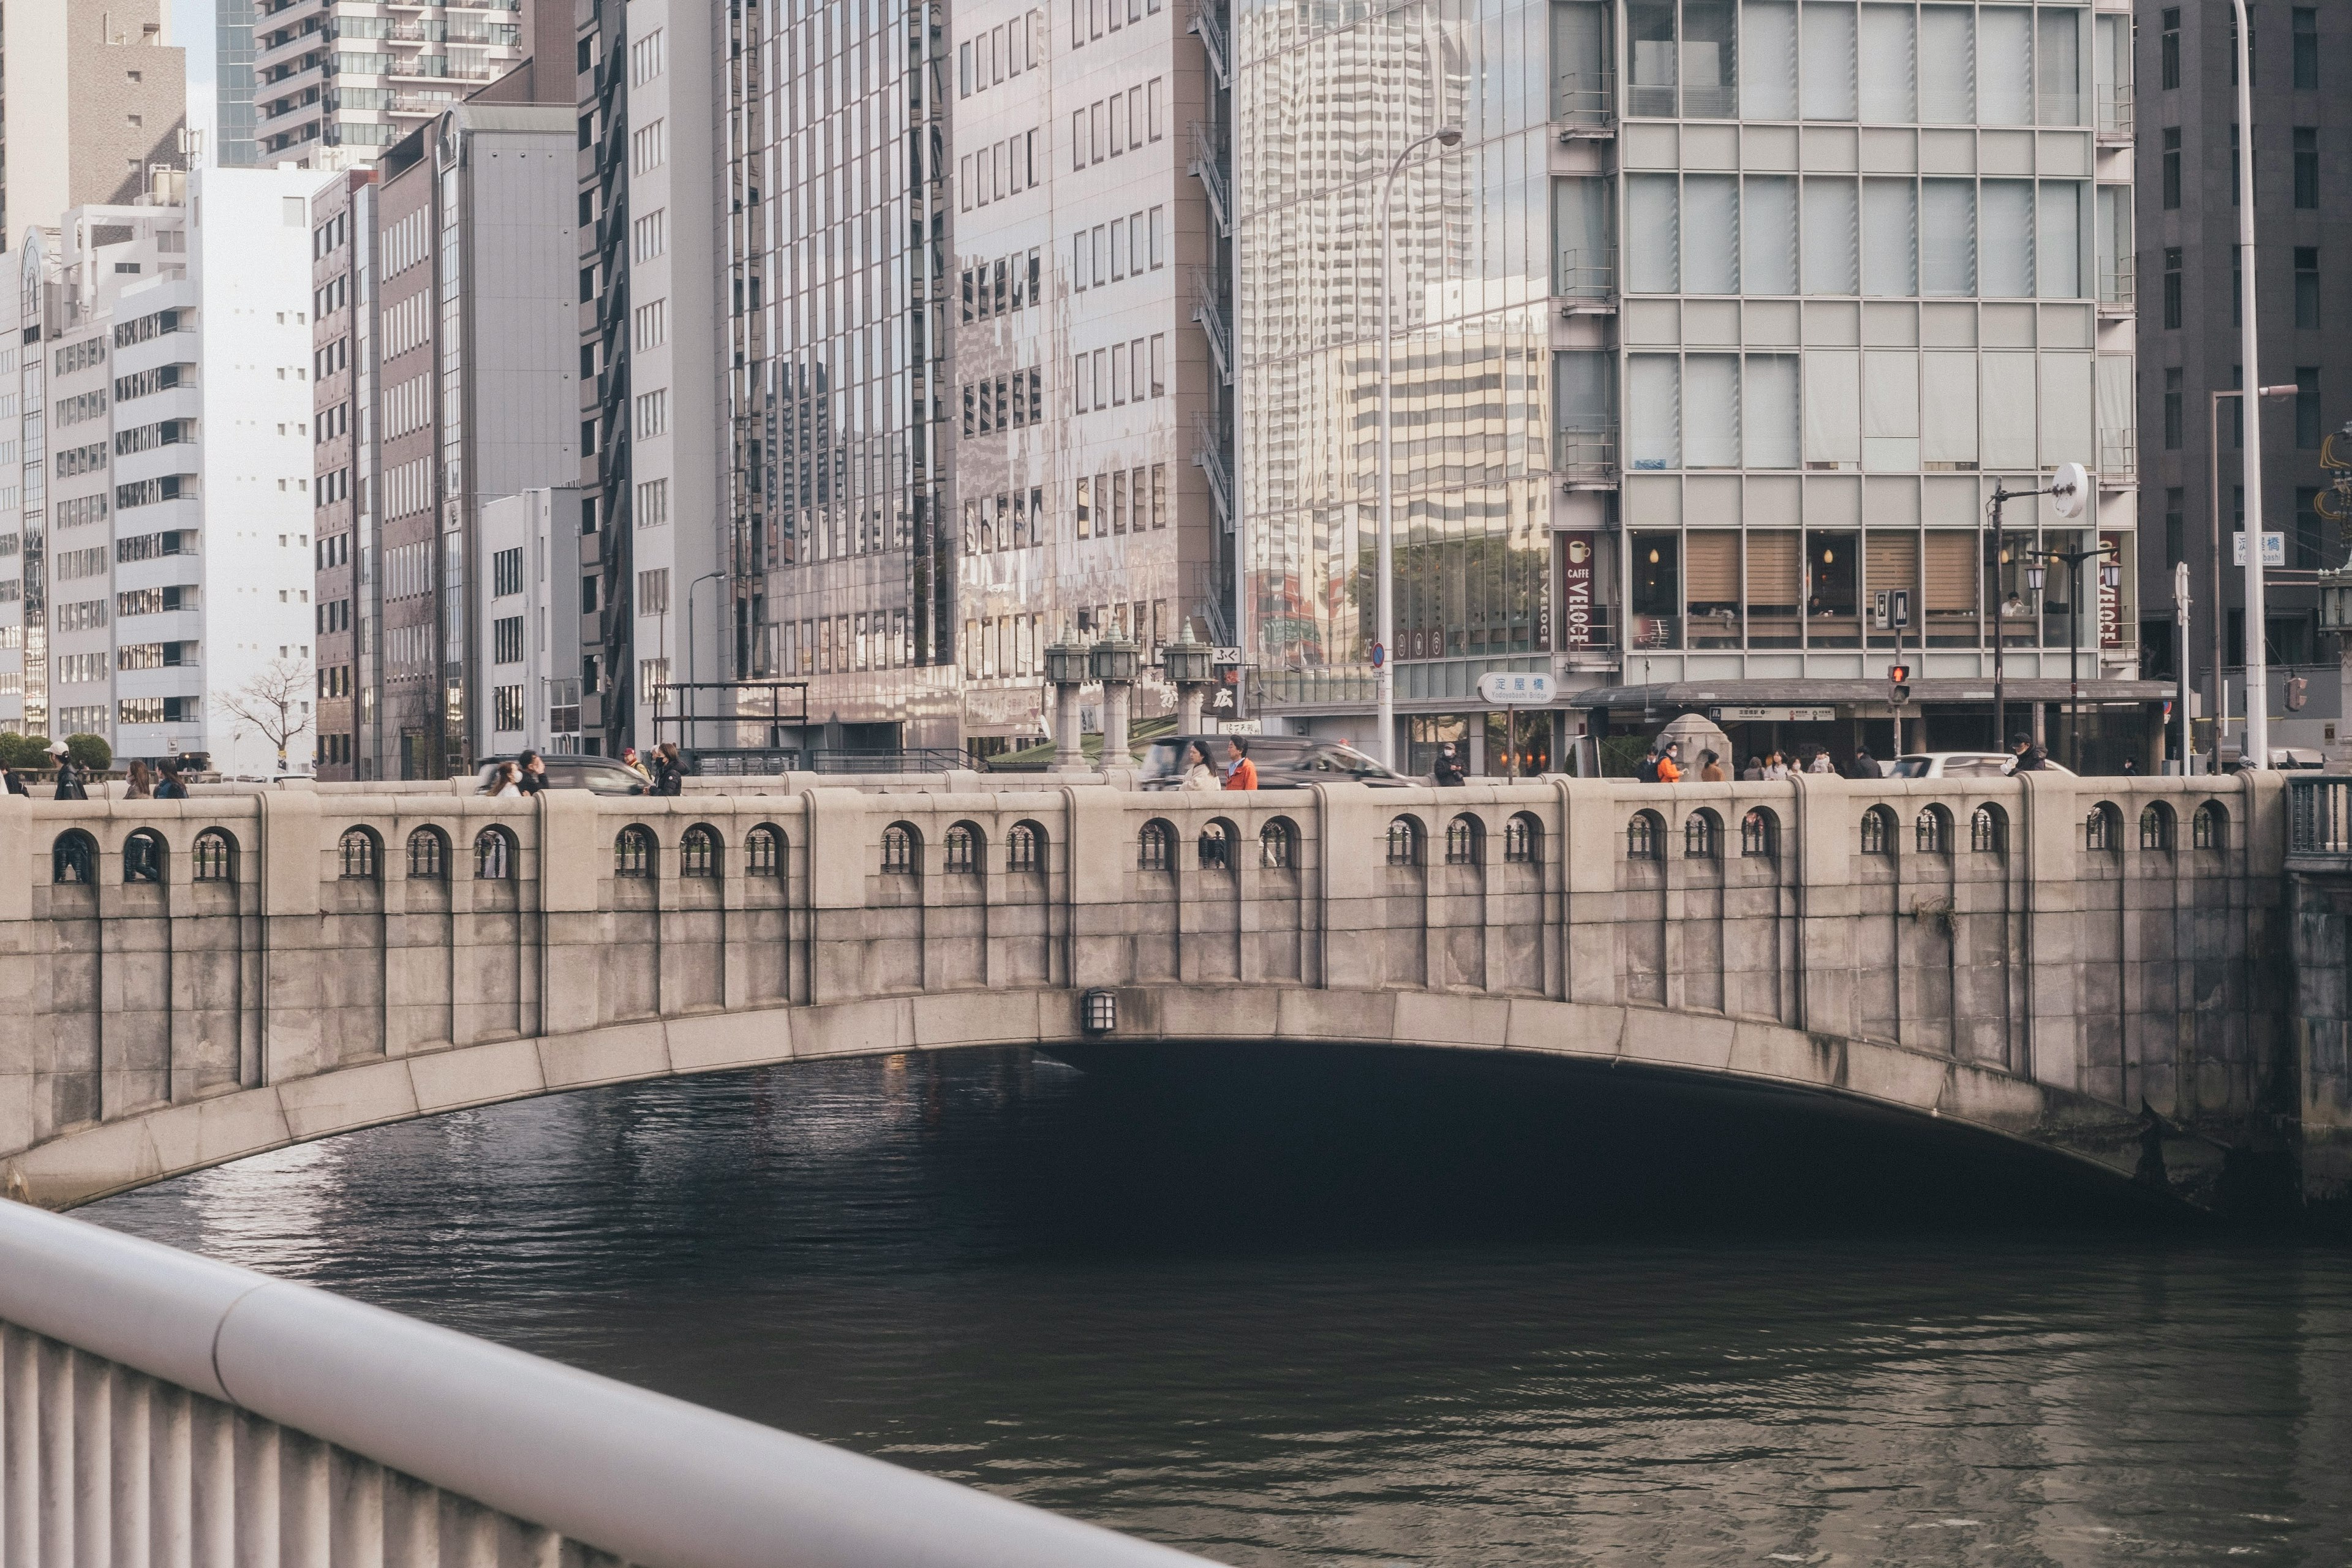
2307, 424
2172, 287
2306, 166
2171, 167
2307, 288
2305, 20
2168, 56
2172, 396
2176, 538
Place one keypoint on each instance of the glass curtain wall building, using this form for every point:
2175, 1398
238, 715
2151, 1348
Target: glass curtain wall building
1726, 319
838, 385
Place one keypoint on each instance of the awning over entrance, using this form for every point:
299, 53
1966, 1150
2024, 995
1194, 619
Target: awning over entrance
1869, 696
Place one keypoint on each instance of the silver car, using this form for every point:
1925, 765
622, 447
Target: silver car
1959, 765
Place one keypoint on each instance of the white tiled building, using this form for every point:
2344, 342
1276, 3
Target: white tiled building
158, 533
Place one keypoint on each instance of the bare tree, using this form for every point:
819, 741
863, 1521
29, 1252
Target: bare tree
276, 702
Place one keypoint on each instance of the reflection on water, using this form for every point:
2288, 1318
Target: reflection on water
1369, 1307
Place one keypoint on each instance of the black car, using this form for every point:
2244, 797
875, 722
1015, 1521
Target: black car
1283, 762
572, 770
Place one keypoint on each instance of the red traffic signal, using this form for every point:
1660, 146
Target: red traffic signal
1898, 683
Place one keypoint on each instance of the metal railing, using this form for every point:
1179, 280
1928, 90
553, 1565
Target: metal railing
2319, 816
1584, 104
912, 760
153, 1400
1585, 458
1213, 323
1587, 281
2115, 115
1210, 458
2118, 457
1212, 175
1211, 30
2119, 286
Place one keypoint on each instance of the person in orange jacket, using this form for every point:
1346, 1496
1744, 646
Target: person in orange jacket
1240, 772
1670, 771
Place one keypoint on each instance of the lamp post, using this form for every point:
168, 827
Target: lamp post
2067, 489
2111, 575
1114, 661
2256, 752
1065, 670
2254, 552
687, 728
1384, 675
1186, 665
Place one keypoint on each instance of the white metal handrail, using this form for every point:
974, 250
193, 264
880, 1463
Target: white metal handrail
652, 1479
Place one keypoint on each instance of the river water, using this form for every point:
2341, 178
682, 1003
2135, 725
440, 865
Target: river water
1288, 1308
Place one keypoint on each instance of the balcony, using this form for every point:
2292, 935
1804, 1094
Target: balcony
1585, 459
2115, 116
1584, 106
2119, 288
2118, 460
1586, 283
2319, 823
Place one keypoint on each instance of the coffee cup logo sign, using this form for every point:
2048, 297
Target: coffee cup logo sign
1576, 591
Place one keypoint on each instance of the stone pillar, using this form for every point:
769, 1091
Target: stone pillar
1116, 662
1191, 697
1067, 752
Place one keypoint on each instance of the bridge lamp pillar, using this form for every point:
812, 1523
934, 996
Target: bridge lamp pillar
1115, 663
2335, 616
1186, 665
1065, 672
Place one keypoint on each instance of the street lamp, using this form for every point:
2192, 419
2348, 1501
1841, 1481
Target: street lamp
2256, 752
2067, 489
687, 728
2253, 431
1384, 653
2111, 575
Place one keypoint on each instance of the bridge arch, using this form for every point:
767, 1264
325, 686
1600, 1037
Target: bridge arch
1743, 1054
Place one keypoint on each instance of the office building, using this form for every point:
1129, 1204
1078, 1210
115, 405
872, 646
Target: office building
446, 354
2192, 291
92, 109
659, 590
1089, 347
160, 525
334, 83
1718, 325
530, 627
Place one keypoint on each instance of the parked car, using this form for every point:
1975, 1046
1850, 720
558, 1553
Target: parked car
1283, 762
1959, 765
571, 770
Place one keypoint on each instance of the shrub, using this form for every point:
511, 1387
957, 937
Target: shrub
23, 751
90, 752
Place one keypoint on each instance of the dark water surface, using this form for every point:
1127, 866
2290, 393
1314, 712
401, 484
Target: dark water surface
1295, 1309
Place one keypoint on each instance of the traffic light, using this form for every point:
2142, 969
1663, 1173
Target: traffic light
2298, 692
1898, 684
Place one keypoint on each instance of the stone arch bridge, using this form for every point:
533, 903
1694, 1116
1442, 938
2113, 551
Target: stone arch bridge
2094, 967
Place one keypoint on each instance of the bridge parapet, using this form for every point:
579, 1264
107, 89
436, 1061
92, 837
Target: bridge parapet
2107, 940
157, 1404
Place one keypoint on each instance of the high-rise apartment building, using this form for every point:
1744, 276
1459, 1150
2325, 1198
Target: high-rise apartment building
1723, 322
445, 352
1089, 317
336, 82
232, 144
159, 525
2184, 118
92, 106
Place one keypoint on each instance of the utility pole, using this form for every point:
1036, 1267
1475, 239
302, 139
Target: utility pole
2256, 752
